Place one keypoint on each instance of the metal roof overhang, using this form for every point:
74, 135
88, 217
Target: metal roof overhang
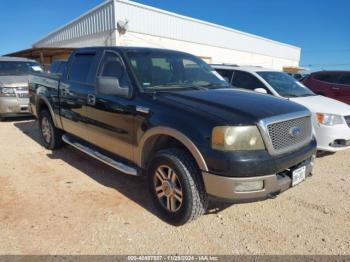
45, 56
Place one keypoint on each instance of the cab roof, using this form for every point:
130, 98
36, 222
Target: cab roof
243, 68
130, 48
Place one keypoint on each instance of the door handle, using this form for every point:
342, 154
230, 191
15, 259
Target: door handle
91, 99
335, 88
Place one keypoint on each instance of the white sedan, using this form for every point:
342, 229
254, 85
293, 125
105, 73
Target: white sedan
331, 118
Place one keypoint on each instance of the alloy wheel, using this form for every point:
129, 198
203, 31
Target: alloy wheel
168, 188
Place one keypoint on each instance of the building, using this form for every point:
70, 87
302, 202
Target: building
126, 23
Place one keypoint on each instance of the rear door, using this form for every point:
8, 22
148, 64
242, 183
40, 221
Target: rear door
75, 86
344, 87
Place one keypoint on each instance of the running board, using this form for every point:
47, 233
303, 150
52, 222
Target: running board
99, 156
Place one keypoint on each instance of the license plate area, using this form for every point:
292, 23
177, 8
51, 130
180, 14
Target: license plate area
298, 175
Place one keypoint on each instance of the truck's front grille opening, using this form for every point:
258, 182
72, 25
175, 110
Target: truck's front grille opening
290, 134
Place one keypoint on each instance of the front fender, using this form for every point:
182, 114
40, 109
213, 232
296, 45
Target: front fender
162, 130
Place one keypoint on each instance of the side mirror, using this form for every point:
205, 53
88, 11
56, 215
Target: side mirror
111, 86
260, 90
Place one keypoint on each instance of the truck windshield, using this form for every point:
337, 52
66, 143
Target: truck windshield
171, 70
285, 85
18, 68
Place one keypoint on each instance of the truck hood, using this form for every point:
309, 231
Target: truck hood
231, 105
14, 81
322, 104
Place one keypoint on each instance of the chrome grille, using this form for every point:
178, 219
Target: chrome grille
289, 135
347, 119
22, 92
22, 95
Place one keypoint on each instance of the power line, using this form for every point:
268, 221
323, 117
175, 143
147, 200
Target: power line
317, 65
327, 51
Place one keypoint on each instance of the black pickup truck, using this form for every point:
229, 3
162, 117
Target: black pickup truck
168, 116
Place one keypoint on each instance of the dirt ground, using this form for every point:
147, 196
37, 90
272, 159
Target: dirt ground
65, 202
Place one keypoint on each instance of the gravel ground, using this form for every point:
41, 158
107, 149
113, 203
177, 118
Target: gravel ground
64, 202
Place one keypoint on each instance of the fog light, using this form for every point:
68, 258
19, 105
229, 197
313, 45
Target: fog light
312, 162
249, 186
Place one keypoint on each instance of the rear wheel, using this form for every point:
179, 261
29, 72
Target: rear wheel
175, 187
50, 135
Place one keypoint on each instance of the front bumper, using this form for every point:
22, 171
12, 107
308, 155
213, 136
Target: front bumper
13, 106
250, 163
224, 188
332, 138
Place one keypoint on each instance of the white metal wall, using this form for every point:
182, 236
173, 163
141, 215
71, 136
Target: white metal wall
153, 27
209, 53
96, 27
152, 21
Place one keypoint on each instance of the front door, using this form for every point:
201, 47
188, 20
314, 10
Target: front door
111, 118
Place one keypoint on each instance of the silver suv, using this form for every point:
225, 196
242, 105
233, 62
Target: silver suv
14, 74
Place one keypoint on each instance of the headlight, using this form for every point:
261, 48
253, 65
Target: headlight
237, 138
7, 91
329, 119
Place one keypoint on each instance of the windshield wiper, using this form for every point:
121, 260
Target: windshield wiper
305, 95
177, 86
213, 86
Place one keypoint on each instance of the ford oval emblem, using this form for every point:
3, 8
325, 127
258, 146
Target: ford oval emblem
294, 131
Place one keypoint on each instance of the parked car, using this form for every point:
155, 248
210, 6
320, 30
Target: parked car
330, 118
169, 116
333, 84
57, 67
14, 73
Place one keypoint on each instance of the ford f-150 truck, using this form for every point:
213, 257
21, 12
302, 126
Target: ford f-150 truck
170, 117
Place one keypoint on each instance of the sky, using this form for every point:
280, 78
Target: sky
320, 27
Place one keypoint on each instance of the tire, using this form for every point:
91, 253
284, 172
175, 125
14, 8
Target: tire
194, 200
1, 118
51, 137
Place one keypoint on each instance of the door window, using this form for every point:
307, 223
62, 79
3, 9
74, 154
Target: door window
226, 74
80, 67
112, 66
246, 81
327, 77
345, 79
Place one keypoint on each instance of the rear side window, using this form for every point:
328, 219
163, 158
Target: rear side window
344, 79
246, 81
226, 74
61, 68
53, 67
329, 78
80, 67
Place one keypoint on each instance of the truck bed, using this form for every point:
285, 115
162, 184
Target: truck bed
44, 79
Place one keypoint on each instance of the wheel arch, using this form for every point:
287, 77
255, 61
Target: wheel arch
149, 139
43, 102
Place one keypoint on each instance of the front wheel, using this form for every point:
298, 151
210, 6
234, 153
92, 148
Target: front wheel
50, 135
176, 187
